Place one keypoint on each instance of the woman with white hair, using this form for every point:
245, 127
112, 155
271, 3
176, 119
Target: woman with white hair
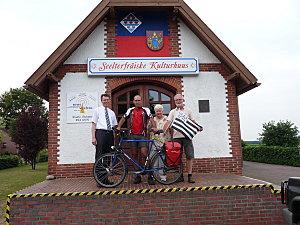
160, 119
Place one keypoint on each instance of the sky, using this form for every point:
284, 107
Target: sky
263, 34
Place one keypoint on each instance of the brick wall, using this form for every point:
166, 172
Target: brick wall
174, 38
110, 42
241, 206
174, 83
53, 130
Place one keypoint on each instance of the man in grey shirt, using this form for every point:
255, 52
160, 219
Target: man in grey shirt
186, 143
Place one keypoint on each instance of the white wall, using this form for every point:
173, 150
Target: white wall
75, 139
93, 46
191, 46
75, 145
213, 141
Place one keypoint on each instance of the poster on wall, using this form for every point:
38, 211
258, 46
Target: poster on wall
80, 106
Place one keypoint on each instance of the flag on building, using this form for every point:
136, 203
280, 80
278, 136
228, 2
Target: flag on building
131, 33
186, 126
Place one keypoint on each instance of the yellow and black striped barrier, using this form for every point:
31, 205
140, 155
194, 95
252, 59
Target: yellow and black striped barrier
135, 191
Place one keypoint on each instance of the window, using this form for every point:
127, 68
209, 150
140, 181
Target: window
203, 106
157, 97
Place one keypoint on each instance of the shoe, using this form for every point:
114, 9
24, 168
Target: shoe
163, 178
190, 179
151, 180
180, 179
137, 179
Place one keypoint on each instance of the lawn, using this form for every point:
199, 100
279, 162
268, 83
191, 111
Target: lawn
15, 179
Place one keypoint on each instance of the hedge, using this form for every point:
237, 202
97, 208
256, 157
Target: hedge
9, 161
272, 154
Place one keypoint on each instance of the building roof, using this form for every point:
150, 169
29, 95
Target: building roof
38, 82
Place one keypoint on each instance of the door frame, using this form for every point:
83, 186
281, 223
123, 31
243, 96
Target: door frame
143, 88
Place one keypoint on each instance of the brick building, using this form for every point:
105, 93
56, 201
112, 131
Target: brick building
7, 145
156, 49
103, 54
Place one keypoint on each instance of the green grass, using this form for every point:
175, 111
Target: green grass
17, 178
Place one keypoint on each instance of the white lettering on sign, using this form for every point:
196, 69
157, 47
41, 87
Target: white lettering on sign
155, 66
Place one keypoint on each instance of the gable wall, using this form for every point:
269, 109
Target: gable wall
217, 148
92, 47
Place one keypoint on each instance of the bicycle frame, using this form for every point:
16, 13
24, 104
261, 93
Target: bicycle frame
142, 168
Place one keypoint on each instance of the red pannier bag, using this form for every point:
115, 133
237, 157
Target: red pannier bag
173, 153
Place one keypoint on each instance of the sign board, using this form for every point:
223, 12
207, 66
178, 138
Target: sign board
142, 66
80, 106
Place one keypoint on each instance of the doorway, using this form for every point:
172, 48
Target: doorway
151, 95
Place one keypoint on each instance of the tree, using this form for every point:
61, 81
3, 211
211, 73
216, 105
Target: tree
31, 134
1, 127
16, 100
283, 133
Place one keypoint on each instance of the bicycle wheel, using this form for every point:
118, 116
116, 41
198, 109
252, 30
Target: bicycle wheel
163, 173
110, 170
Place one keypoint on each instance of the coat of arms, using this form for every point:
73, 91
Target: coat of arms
155, 40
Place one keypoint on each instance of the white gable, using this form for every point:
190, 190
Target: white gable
93, 46
191, 46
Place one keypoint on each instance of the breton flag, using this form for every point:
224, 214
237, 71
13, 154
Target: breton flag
186, 126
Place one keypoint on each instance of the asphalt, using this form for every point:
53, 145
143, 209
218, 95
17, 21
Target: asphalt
274, 174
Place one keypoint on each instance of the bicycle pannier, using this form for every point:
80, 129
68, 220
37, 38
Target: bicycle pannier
173, 153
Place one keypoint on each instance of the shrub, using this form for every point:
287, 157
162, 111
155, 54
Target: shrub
282, 133
43, 156
9, 161
243, 143
272, 154
6, 153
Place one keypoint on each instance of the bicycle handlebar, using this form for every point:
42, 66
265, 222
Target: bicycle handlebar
159, 132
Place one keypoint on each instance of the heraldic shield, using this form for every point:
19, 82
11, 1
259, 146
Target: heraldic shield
155, 40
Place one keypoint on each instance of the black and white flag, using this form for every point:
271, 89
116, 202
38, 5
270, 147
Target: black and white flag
186, 126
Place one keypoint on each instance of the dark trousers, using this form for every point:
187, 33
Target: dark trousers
105, 139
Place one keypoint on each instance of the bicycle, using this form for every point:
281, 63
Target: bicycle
111, 169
